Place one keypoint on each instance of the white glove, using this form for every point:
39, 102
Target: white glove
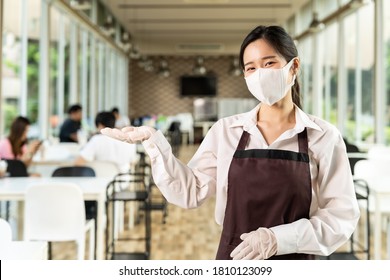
130, 134
259, 244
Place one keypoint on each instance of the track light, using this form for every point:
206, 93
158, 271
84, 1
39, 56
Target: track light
108, 26
235, 67
316, 25
199, 68
126, 42
163, 69
134, 53
80, 4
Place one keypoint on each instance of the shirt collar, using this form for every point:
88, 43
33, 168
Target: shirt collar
249, 120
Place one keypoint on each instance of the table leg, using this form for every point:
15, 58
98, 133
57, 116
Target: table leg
100, 228
377, 229
20, 220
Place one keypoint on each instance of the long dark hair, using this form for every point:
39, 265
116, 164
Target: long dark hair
18, 127
278, 38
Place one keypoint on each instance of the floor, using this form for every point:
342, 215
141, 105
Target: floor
186, 234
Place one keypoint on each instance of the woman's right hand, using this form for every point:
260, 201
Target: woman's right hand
130, 134
34, 146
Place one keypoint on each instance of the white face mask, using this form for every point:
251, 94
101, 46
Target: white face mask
269, 85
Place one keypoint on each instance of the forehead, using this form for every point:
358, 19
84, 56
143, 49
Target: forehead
259, 49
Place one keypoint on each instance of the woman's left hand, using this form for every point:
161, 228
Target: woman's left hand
259, 244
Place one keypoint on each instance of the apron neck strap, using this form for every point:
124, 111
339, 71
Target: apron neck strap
243, 140
302, 141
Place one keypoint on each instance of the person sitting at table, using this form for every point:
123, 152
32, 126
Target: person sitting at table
16, 145
102, 148
120, 120
68, 130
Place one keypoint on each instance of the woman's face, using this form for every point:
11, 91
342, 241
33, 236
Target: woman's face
260, 54
25, 133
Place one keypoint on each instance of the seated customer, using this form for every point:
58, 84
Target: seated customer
16, 145
121, 121
68, 130
102, 148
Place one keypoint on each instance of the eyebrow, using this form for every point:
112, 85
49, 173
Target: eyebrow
263, 58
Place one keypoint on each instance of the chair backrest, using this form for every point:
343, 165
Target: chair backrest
54, 212
104, 168
370, 168
5, 231
379, 152
353, 161
74, 171
16, 168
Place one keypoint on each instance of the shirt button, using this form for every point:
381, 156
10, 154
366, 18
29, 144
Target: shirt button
152, 146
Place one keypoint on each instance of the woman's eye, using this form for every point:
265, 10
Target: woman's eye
249, 69
269, 63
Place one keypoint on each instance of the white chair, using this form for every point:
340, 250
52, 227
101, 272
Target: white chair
104, 168
379, 152
372, 168
56, 212
5, 232
110, 169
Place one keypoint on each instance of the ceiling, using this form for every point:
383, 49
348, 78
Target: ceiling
197, 27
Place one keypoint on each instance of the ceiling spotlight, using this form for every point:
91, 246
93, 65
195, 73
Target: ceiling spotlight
108, 27
163, 69
199, 68
148, 65
134, 53
126, 42
143, 61
316, 25
235, 67
80, 4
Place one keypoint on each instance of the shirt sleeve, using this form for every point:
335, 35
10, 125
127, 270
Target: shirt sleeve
89, 150
334, 220
181, 185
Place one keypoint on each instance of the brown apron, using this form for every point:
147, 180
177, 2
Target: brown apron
266, 188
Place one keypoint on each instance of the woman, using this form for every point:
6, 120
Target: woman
281, 177
15, 145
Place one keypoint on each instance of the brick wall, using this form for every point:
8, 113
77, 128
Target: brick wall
152, 94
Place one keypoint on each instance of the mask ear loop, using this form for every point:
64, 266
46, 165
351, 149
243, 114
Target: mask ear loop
295, 72
288, 71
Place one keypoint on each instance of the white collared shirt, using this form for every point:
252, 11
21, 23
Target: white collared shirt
103, 148
334, 210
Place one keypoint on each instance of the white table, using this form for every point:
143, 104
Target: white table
94, 188
379, 189
23, 250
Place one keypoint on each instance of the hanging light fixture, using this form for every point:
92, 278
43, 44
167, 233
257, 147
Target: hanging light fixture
146, 63
163, 69
80, 4
316, 25
126, 42
235, 68
143, 61
134, 53
199, 68
108, 27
